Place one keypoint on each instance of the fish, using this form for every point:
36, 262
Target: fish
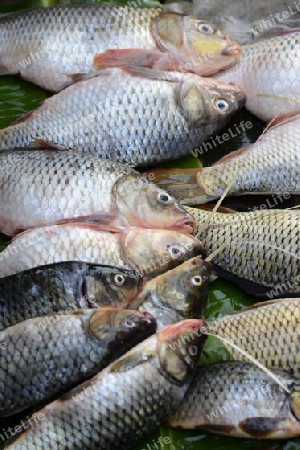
268, 74
61, 186
268, 331
53, 47
178, 294
245, 171
45, 356
239, 399
126, 400
258, 250
147, 251
65, 287
167, 115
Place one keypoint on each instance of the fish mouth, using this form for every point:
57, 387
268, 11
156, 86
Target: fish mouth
231, 50
186, 225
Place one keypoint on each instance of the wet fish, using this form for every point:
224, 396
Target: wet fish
261, 251
245, 171
268, 331
268, 74
62, 185
148, 251
52, 47
65, 287
167, 115
178, 294
125, 401
48, 355
239, 399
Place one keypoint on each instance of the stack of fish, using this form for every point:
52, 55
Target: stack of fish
104, 281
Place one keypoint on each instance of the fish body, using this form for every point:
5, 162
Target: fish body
276, 153
126, 400
53, 46
239, 399
130, 115
261, 250
48, 355
64, 287
147, 251
268, 74
178, 294
61, 185
269, 332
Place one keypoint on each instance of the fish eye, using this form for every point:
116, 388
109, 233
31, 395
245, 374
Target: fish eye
196, 280
193, 350
129, 323
119, 279
221, 104
206, 28
176, 250
164, 198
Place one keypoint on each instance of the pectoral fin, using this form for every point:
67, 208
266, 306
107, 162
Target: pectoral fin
261, 427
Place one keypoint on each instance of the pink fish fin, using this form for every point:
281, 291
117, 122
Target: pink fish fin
136, 57
46, 145
284, 118
105, 221
231, 155
4, 70
284, 32
76, 76
154, 73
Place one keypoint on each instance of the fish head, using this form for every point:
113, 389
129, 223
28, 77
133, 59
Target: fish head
152, 252
121, 328
202, 48
111, 287
179, 347
185, 288
146, 205
205, 101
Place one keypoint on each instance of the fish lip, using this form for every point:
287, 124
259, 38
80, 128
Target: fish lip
186, 225
231, 50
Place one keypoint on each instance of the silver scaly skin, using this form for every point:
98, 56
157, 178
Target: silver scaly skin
125, 401
64, 287
54, 46
135, 116
239, 399
268, 74
261, 252
58, 186
48, 355
148, 251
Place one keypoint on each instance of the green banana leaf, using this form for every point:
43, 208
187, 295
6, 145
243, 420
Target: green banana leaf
16, 98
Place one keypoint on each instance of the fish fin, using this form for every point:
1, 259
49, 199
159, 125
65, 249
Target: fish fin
151, 73
248, 286
46, 145
22, 118
232, 155
260, 427
221, 209
284, 32
76, 76
284, 118
133, 57
265, 303
4, 70
104, 221
221, 429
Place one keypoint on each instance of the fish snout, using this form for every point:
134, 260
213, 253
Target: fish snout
231, 50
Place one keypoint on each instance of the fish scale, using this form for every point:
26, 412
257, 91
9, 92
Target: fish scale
275, 153
268, 73
47, 355
239, 399
125, 401
269, 332
109, 118
249, 258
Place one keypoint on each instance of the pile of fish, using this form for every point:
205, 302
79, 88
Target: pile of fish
104, 284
